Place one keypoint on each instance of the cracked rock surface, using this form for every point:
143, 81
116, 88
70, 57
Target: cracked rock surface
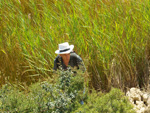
140, 100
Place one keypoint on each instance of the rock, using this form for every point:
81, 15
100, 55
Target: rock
142, 110
140, 100
135, 94
140, 103
128, 93
145, 97
148, 101
133, 90
136, 97
147, 110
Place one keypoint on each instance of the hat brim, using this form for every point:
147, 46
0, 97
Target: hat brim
71, 48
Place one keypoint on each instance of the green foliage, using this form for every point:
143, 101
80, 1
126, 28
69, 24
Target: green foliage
113, 35
112, 102
63, 96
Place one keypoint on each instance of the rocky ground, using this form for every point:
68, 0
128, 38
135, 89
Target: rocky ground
140, 99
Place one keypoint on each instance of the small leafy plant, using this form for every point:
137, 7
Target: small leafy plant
112, 102
63, 96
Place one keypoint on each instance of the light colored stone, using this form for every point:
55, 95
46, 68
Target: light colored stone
140, 100
140, 103
142, 110
145, 97
136, 97
147, 110
131, 100
140, 106
128, 93
148, 101
133, 90
134, 93
140, 93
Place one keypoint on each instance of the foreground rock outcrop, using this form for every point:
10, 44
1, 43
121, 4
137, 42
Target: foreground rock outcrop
140, 100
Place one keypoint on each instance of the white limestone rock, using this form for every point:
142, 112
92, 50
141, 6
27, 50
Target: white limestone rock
142, 110
135, 94
148, 101
140, 103
145, 97
147, 110
140, 100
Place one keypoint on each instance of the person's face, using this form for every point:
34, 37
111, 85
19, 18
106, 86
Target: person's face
66, 57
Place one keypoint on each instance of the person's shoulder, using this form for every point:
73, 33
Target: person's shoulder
56, 58
75, 55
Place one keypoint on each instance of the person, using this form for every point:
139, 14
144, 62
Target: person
67, 57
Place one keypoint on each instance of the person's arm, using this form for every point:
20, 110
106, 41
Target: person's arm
80, 63
56, 63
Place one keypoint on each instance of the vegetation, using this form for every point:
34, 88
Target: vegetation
63, 96
112, 102
112, 35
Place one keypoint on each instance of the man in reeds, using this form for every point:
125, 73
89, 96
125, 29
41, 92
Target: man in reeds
67, 59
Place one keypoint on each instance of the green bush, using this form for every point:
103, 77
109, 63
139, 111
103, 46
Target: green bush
112, 102
63, 96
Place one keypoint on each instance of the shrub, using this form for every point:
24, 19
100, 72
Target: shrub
112, 102
63, 96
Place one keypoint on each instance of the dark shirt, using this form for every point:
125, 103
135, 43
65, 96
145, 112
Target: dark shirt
75, 62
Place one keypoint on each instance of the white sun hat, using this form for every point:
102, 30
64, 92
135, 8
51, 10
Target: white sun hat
64, 48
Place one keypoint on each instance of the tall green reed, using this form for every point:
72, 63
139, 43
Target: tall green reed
112, 35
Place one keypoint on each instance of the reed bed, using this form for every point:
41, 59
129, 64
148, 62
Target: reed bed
111, 36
